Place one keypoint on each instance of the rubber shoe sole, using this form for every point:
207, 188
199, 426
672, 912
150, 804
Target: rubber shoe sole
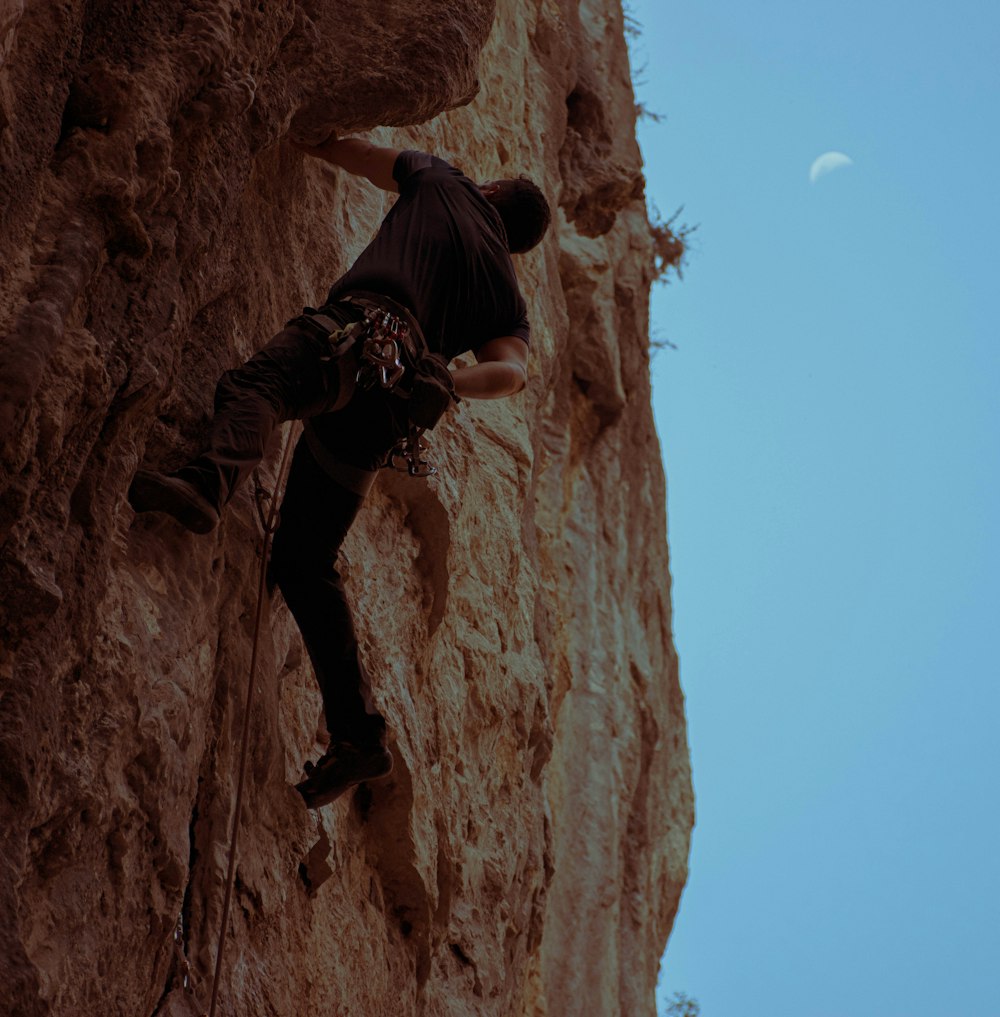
156, 492
330, 779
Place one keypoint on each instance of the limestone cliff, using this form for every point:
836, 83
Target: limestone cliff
527, 856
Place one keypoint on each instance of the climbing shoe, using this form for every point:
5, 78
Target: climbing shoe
158, 492
341, 767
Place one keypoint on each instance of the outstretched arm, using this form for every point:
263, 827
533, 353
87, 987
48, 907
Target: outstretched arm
502, 370
359, 157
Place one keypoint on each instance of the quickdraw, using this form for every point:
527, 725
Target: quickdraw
381, 349
407, 457
387, 341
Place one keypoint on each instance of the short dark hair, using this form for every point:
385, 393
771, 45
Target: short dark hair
524, 211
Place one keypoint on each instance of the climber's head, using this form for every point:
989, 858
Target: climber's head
523, 209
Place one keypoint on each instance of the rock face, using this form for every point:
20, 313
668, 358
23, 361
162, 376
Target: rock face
528, 853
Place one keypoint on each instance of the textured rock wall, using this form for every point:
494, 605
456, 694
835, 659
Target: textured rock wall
528, 853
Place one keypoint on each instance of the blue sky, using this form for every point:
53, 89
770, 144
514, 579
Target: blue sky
830, 432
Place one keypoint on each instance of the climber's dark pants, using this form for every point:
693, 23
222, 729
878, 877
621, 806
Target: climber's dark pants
315, 517
287, 380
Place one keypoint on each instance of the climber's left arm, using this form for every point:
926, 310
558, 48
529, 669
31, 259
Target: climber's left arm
359, 157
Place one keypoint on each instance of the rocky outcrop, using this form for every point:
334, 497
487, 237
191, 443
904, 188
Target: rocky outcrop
528, 853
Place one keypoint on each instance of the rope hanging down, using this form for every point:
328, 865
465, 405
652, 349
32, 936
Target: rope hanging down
270, 525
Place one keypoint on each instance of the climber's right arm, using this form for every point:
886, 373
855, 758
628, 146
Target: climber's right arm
359, 157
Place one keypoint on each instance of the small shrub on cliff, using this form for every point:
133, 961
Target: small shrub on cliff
680, 1005
670, 245
670, 251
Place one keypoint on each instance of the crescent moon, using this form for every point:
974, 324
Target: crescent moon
827, 163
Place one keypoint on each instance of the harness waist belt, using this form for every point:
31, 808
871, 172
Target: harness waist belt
412, 337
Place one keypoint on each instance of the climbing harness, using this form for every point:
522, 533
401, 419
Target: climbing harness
395, 352
270, 524
391, 354
381, 349
385, 348
430, 393
340, 342
393, 338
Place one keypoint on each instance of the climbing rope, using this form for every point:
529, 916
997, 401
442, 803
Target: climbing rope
270, 525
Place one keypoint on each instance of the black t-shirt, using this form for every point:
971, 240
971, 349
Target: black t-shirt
442, 252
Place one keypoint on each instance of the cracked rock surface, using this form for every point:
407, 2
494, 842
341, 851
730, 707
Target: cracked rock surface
527, 855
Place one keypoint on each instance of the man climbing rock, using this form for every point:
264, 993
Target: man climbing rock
367, 373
